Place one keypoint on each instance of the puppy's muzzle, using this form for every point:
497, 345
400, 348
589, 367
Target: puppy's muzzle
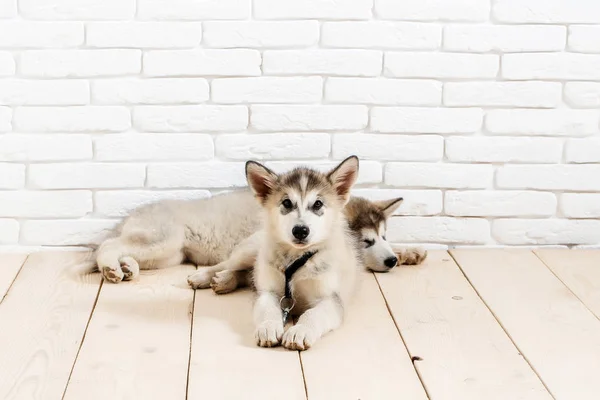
300, 232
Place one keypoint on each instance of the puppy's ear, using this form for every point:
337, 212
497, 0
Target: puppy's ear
343, 177
260, 179
389, 206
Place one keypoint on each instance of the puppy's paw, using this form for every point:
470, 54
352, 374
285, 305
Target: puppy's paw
299, 337
111, 274
412, 256
130, 268
201, 279
224, 282
269, 333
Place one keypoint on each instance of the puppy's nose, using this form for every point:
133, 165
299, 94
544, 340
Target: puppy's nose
390, 262
300, 232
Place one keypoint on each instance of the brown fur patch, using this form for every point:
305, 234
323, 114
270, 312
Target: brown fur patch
363, 214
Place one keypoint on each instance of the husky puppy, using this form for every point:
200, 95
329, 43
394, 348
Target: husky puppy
224, 232
304, 216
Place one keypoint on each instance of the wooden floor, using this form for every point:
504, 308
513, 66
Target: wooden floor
469, 324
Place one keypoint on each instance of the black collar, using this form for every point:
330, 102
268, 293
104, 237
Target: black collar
293, 267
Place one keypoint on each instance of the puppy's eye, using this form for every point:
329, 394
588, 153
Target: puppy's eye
287, 203
318, 204
369, 242
384, 238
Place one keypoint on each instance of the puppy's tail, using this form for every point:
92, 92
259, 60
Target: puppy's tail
88, 265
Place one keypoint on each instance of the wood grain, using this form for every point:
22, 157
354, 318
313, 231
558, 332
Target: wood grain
557, 334
227, 364
579, 270
10, 265
137, 344
43, 320
365, 358
465, 353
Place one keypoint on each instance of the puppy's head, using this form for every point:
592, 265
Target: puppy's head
302, 205
368, 221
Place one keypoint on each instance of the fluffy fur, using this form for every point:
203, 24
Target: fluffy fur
304, 212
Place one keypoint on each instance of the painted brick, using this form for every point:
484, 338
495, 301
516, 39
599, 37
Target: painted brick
583, 150
381, 35
72, 119
438, 230
451, 176
66, 232
370, 172
267, 90
426, 120
45, 204
136, 147
217, 62
117, 203
197, 175
9, 231
19, 92
77, 9
86, 176
144, 34
584, 38
503, 94
12, 176
389, 147
190, 118
7, 64
312, 9
433, 10
504, 149
261, 34
383, 91
580, 205
551, 66
562, 122
583, 94
274, 146
193, 9
44, 147
416, 202
308, 118
547, 11
441, 65
8, 8
504, 38
546, 231
326, 62
549, 177
150, 91
80, 63
19, 34
509, 203
5, 119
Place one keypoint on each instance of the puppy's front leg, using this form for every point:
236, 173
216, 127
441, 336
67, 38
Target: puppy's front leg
326, 316
268, 320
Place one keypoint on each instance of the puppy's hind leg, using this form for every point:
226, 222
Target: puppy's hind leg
227, 281
242, 258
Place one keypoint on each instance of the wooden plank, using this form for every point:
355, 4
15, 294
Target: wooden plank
464, 352
557, 334
138, 341
226, 363
10, 265
579, 270
43, 320
365, 358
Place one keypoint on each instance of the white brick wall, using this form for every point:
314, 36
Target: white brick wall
483, 114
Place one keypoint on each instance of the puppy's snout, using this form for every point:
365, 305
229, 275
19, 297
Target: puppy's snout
390, 262
300, 232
